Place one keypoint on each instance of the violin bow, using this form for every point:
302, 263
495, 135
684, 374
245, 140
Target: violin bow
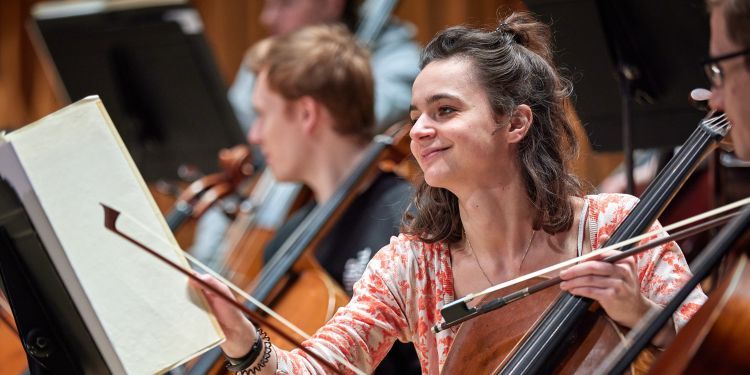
458, 311
111, 216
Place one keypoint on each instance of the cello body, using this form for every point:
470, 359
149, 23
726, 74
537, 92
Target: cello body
271, 203
717, 339
593, 339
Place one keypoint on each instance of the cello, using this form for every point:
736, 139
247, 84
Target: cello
715, 340
562, 332
723, 319
240, 253
293, 278
236, 168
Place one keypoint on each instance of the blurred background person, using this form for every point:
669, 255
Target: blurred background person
394, 53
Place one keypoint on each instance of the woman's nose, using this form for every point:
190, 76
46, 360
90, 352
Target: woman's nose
421, 128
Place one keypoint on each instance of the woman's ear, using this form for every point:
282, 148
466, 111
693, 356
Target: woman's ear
520, 123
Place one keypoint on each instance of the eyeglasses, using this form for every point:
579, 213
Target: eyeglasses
713, 70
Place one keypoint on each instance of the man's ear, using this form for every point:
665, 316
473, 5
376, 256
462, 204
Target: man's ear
308, 113
519, 123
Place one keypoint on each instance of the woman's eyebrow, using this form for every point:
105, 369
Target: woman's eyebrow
435, 98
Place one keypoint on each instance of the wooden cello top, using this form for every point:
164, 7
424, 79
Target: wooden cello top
717, 339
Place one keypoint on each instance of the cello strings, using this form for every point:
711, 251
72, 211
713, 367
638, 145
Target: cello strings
715, 123
593, 254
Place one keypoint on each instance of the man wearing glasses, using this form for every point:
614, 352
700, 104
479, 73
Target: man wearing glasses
728, 67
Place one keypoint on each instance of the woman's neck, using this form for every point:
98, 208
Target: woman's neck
499, 219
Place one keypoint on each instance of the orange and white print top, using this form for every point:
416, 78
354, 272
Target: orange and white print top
400, 295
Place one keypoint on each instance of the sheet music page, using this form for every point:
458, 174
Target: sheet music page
73, 160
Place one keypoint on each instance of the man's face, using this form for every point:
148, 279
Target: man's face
285, 16
734, 93
277, 131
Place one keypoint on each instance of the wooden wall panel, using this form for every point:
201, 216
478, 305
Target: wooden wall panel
230, 26
25, 92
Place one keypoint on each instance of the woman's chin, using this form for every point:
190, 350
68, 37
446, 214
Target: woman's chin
436, 181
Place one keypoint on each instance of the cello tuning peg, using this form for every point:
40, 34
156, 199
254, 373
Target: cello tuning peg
699, 98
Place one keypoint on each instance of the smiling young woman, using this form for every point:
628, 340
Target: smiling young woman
497, 200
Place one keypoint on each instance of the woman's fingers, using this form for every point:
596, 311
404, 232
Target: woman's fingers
240, 333
614, 285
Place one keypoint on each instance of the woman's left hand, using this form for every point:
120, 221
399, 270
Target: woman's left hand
614, 285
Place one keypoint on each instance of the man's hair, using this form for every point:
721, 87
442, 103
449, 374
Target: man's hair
326, 63
737, 15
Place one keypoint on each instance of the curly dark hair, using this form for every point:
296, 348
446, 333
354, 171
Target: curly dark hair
514, 64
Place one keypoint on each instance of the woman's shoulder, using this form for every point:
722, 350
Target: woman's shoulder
410, 244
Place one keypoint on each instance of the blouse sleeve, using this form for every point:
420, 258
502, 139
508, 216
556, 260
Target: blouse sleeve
662, 270
364, 330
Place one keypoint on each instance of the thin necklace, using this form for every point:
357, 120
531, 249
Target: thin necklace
468, 244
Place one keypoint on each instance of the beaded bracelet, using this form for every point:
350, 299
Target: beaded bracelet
263, 343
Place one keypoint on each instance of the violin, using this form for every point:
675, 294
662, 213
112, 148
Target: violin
559, 332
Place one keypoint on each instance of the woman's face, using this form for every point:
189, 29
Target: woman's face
457, 139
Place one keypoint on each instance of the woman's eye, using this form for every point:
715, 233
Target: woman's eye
442, 111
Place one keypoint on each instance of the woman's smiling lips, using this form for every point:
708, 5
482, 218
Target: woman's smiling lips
430, 152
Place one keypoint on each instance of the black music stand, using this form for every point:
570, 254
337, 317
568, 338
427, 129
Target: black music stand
152, 68
633, 64
50, 327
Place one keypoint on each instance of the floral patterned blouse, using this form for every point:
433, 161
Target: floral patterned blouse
408, 282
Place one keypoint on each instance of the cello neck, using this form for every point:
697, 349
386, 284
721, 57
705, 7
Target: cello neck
319, 221
543, 345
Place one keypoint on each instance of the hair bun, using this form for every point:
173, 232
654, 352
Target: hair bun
517, 36
524, 29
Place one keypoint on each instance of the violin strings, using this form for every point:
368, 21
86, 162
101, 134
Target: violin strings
593, 254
